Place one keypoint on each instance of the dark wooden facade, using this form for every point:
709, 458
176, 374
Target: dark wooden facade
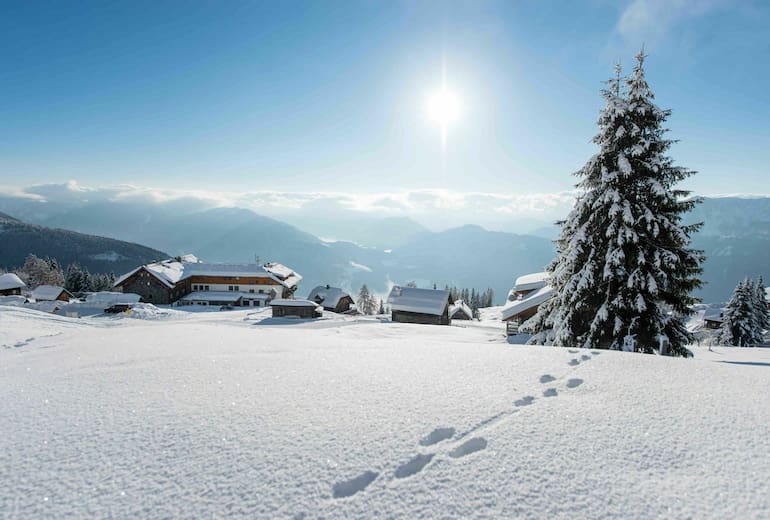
152, 290
14, 291
305, 311
417, 317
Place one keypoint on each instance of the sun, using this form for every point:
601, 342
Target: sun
443, 108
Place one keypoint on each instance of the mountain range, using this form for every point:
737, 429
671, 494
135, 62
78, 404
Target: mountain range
378, 252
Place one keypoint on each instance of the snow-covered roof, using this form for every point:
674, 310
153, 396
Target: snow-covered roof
713, 314
295, 303
529, 282
458, 306
423, 301
532, 300
327, 296
47, 292
10, 281
173, 270
213, 296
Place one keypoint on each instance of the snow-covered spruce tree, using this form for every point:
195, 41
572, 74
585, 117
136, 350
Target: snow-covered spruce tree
624, 270
739, 323
761, 312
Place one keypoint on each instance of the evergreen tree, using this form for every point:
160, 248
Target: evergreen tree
761, 310
739, 324
76, 279
382, 307
366, 302
624, 271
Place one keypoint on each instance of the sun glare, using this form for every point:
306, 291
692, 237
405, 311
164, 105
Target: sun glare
443, 107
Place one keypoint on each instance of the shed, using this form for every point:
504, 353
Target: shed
713, 318
413, 305
11, 285
527, 284
51, 293
331, 298
460, 311
298, 308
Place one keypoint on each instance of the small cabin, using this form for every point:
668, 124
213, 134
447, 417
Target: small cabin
331, 298
713, 320
283, 308
11, 285
460, 311
413, 305
51, 293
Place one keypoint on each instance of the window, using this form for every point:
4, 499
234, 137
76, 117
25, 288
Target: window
237, 287
229, 287
261, 291
206, 288
251, 291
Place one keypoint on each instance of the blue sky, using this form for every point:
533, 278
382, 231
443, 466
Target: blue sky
331, 96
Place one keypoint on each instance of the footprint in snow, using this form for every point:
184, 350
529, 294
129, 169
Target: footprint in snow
573, 383
547, 378
413, 466
550, 392
595, 352
573, 362
584, 357
524, 401
470, 446
571, 351
436, 436
347, 488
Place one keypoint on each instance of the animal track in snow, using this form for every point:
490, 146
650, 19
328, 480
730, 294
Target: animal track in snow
415, 465
573, 383
347, 488
585, 357
550, 392
524, 401
470, 446
573, 362
547, 378
436, 436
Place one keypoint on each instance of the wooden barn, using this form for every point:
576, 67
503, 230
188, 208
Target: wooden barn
297, 308
51, 293
331, 298
11, 285
412, 305
460, 311
713, 318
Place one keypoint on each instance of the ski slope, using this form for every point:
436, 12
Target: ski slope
235, 413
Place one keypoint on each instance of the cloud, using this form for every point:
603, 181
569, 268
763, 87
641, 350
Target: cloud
649, 22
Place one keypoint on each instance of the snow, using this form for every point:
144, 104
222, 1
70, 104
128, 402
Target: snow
108, 298
46, 292
530, 281
237, 414
424, 301
361, 267
10, 281
295, 303
213, 296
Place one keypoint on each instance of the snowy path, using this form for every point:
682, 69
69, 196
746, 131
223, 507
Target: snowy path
220, 413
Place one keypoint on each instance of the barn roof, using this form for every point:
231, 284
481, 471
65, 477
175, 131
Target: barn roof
422, 301
47, 292
294, 303
10, 281
327, 296
459, 306
531, 281
532, 300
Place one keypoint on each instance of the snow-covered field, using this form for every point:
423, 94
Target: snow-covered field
234, 413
